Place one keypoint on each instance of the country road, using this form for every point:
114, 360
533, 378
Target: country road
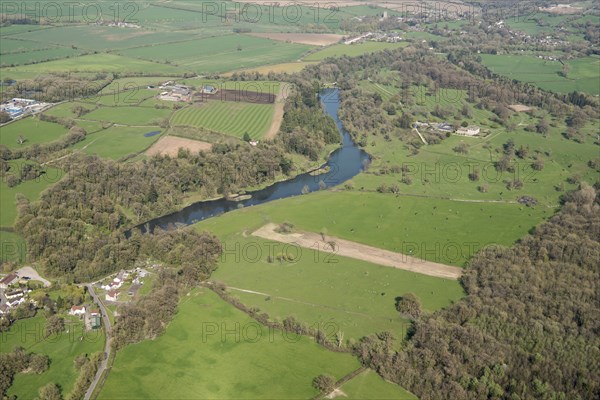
107, 329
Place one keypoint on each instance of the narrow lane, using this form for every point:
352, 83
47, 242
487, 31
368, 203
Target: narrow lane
107, 348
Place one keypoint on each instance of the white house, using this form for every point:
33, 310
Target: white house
16, 294
112, 295
77, 310
471, 130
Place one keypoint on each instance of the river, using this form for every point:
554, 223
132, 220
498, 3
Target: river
344, 163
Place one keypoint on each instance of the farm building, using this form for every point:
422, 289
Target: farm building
472, 130
445, 127
8, 280
209, 89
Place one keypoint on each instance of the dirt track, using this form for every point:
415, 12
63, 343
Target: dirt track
277, 114
360, 251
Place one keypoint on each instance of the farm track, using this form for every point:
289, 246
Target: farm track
360, 251
277, 114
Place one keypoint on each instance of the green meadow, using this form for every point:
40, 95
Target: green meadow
432, 228
93, 63
349, 296
128, 115
582, 77
65, 110
33, 130
118, 141
212, 350
12, 247
31, 189
369, 386
227, 117
62, 350
221, 53
103, 38
38, 56
351, 50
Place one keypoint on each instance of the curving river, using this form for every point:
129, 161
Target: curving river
344, 163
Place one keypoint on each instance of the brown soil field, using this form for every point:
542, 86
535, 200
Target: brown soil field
315, 39
346, 248
245, 96
170, 145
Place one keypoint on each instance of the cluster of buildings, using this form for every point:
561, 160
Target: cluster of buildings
174, 92
11, 295
17, 107
390, 37
117, 24
112, 287
471, 130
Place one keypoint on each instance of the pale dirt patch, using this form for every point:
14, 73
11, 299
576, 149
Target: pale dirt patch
315, 39
519, 107
170, 145
360, 251
336, 393
562, 9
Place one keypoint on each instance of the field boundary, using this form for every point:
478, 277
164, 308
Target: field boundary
359, 251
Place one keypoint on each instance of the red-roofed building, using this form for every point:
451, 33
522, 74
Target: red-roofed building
112, 295
8, 280
77, 310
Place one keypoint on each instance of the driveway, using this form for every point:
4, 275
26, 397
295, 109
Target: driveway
29, 272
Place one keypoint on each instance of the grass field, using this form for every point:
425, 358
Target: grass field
583, 76
31, 189
129, 115
9, 46
369, 386
12, 247
117, 141
101, 62
328, 305
65, 110
188, 361
33, 130
92, 37
351, 50
222, 53
62, 350
396, 223
17, 29
38, 56
227, 117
